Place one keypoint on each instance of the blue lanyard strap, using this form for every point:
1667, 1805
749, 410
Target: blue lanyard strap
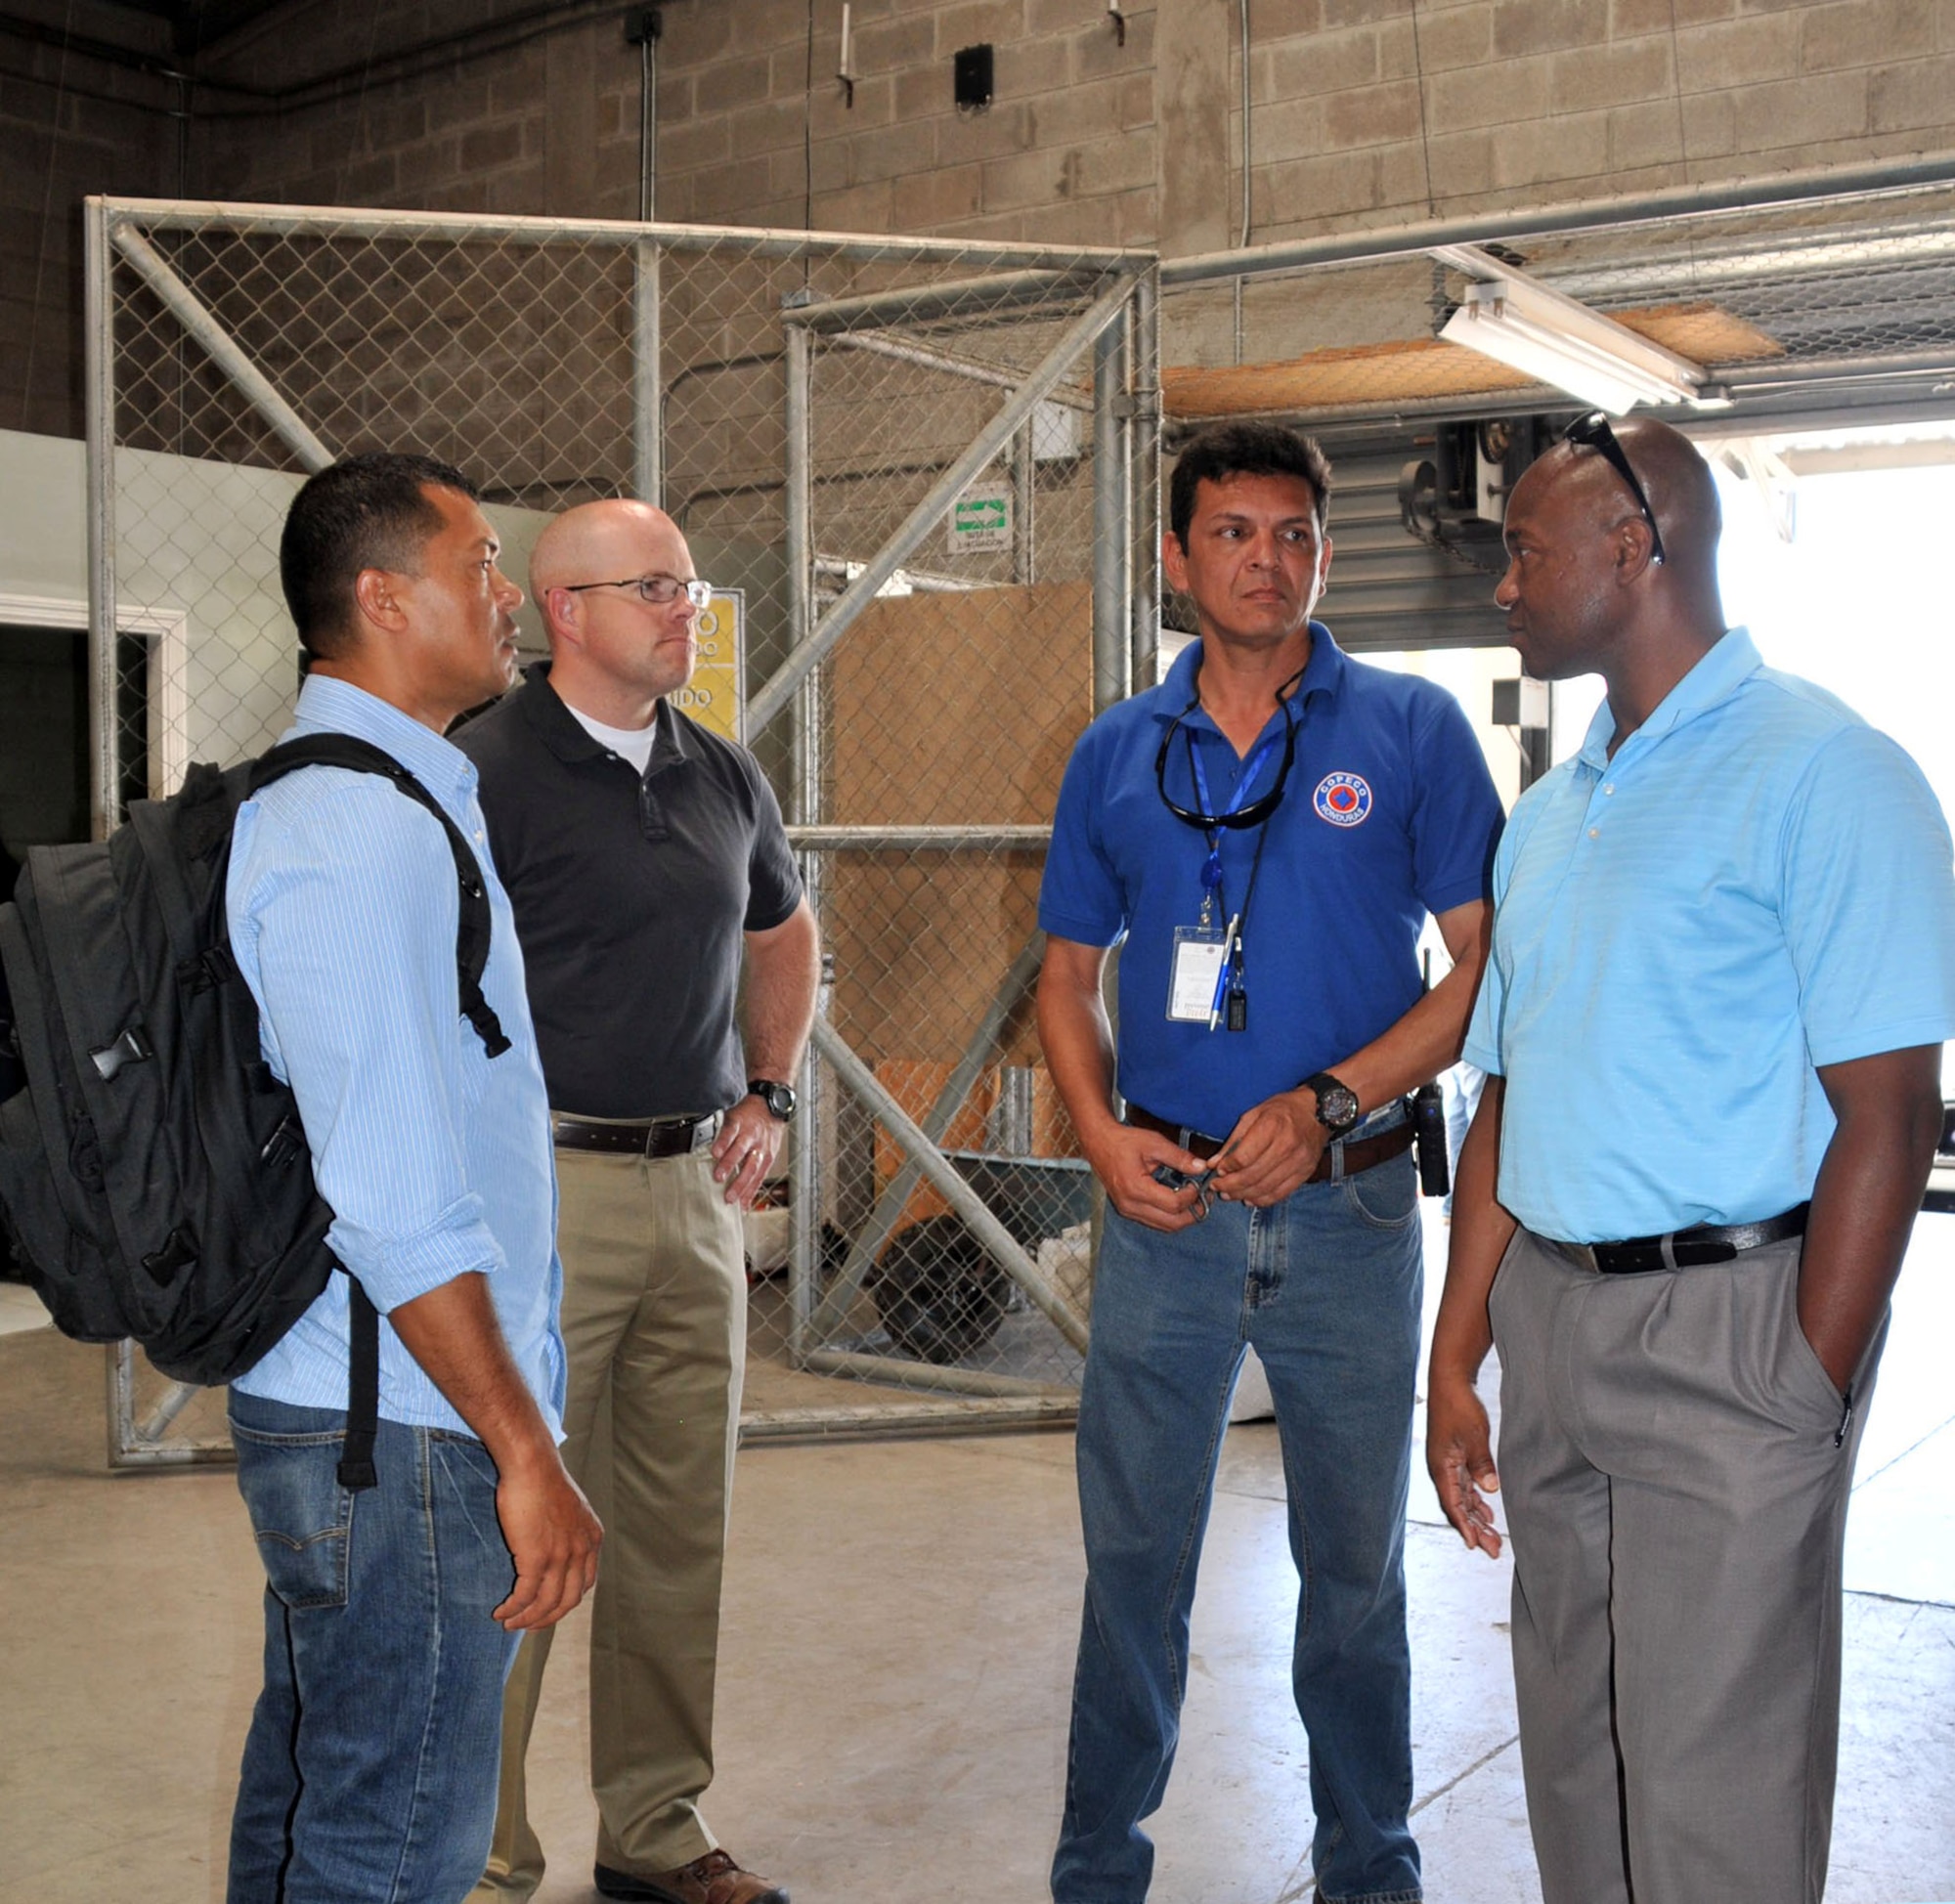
1229, 992
1211, 867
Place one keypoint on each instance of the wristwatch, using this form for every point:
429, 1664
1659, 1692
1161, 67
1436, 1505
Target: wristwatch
1336, 1102
779, 1099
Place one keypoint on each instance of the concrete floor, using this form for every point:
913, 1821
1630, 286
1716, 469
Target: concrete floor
899, 1638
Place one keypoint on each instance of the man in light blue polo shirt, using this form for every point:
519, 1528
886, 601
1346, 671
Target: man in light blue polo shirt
1724, 965
1263, 834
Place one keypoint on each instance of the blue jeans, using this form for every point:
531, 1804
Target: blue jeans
370, 1768
1327, 1287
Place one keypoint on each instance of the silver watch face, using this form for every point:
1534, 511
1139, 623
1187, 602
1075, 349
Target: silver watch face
779, 1099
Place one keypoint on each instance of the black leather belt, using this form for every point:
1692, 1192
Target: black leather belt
1360, 1152
1682, 1249
658, 1137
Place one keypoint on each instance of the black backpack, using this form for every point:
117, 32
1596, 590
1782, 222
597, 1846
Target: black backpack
153, 1172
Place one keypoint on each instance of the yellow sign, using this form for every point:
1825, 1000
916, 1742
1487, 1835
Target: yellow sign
715, 696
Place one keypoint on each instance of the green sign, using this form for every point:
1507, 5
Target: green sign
980, 519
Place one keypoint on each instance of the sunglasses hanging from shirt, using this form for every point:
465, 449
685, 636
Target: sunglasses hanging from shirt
1207, 982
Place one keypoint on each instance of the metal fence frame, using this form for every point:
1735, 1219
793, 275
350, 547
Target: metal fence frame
1118, 327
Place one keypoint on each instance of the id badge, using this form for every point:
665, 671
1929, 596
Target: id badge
1195, 971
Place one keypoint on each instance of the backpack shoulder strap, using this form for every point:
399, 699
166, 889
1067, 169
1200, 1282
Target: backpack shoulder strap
472, 933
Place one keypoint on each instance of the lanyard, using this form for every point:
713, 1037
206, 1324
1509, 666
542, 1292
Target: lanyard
1211, 867
1230, 988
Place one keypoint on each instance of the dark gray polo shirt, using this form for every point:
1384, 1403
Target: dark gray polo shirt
631, 898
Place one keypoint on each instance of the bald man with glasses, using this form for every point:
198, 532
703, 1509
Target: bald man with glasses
647, 865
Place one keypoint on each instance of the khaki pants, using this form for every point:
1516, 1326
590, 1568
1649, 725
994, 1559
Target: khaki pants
655, 1324
1675, 1480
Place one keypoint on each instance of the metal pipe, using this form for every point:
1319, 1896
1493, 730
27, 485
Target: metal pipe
99, 400
174, 1400
1112, 642
1242, 12
1800, 375
930, 1374
1596, 214
648, 422
1024, 504
798, 498
921, 581
757, 241
1004, 838
808, 655
804, 1208
648, 122
929, 358
798, 501
221, 348
131, 1448
955, 1191
895, 1196
942, 1414
1143, 485
118, 1366
960, 298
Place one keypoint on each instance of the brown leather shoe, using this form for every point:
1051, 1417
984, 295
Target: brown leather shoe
712, 1879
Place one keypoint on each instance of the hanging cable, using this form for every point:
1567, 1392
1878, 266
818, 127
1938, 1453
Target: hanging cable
1242, 232
641, 30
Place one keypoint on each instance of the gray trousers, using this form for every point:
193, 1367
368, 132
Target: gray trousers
1678, 1506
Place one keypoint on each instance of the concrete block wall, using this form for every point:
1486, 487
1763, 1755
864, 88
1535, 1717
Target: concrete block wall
1067, 152
1362, 112
1372, 111
539, 127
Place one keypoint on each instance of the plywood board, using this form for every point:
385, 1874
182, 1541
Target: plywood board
1425, 369
947, 710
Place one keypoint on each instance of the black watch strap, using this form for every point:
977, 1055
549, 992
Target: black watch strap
778, 1098
1336, 1102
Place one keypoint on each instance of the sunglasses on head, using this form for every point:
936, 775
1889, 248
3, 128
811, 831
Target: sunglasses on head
1592, 432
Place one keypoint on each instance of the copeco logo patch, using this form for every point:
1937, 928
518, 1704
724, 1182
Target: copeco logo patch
1342, 798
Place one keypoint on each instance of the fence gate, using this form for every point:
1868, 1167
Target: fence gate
922, 477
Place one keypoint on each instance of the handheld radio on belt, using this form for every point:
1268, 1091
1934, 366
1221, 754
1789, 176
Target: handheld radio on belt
1426, 1107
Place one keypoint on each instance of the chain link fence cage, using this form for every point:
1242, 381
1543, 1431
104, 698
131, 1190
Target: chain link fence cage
916, 474
922, 477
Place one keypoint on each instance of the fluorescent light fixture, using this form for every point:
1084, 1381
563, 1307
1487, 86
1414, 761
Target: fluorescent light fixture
1509, 315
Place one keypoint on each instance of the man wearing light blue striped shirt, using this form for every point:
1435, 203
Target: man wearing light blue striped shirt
392, 1614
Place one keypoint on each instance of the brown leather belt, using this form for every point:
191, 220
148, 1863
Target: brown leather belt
1360, 1152
1682, 1249
658, 1137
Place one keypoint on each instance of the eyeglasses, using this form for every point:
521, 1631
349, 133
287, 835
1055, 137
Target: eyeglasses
1592, 432
655, 590
1258, 810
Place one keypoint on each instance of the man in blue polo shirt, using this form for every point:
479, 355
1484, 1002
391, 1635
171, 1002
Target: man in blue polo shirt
1724, 965
1263, 834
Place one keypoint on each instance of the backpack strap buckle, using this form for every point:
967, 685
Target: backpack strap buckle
132, 1048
